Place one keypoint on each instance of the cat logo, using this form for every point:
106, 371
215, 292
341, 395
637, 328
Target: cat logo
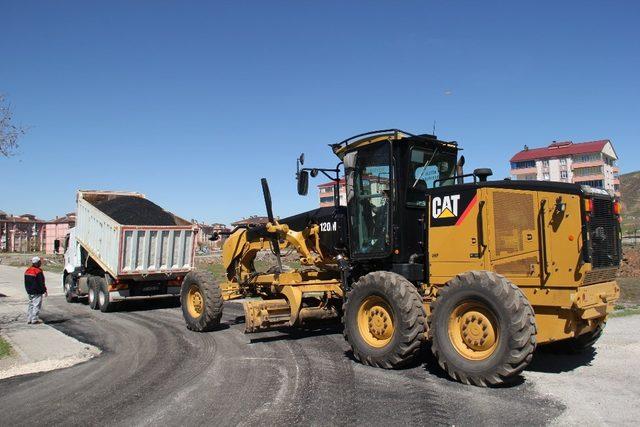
445, 206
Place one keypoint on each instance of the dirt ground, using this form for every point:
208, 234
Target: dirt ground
630, 266
53, 263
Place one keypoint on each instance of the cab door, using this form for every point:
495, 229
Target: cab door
370, 199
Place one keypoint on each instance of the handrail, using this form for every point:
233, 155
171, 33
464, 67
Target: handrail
544, 271
481, 242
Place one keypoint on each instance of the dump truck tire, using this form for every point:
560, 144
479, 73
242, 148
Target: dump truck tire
482, 329
577, 345
68, 285
93, 293
104, 300
201, 300
384, 320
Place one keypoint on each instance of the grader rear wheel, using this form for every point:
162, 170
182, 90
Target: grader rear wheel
384, 320
482, 329
201, 300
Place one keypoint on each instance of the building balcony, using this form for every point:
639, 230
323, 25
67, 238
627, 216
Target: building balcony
524, 171
593, 177
578, 164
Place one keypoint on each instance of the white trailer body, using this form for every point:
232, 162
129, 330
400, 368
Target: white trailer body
130, 250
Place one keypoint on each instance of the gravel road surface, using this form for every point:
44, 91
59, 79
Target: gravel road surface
153, 370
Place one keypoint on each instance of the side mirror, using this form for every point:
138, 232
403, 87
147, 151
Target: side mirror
303, 183
301, 159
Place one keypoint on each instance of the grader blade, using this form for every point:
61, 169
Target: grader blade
263, 315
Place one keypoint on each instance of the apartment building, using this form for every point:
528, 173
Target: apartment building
325, 193
590, 163
24, 233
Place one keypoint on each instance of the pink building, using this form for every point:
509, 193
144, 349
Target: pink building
205, 231
56, 231
24, 233
590, 163
325, 192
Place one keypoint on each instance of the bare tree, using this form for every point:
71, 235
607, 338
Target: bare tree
9, 132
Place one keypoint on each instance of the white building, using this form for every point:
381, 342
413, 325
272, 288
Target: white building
590, 163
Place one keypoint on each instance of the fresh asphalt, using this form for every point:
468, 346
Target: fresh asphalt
155, 371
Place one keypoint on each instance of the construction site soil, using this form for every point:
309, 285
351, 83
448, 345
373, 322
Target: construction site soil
130, 210
630, 266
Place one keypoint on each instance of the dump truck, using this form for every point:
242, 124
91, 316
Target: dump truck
124, 246
485, 271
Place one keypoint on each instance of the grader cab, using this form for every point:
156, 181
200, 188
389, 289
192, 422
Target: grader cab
483, 270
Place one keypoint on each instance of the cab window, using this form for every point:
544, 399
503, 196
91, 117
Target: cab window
425, 168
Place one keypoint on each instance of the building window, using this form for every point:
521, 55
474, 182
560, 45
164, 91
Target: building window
563, 161
523, 165
563, 175
596, 183
326, 199
546, 176
593, 170
593, 157
545, 163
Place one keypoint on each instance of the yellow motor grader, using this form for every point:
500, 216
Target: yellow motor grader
483, 270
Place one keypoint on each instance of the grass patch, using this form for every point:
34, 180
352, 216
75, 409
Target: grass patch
5, 348
220, 274
53, 268
626, 312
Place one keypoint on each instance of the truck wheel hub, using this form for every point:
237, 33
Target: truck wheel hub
375, 321
473, 330
195, 302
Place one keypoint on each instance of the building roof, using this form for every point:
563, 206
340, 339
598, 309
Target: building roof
23, 219
331, 183
68, 218
252, 220
561, 149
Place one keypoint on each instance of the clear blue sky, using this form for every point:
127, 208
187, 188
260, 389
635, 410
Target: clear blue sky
192, 102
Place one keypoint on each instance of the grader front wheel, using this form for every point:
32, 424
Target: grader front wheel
384, 320
482, 329
201, 300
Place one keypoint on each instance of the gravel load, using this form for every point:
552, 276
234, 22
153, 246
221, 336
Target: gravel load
131, 210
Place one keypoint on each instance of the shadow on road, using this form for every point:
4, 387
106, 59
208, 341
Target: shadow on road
288, 334
556, 362
142, 304
147, 304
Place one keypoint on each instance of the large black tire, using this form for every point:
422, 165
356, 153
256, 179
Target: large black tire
376, 301
482, 328
201, 300
69, 291
104, 300
580, 344
93, 293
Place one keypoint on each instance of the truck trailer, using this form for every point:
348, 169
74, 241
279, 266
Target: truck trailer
124, 246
